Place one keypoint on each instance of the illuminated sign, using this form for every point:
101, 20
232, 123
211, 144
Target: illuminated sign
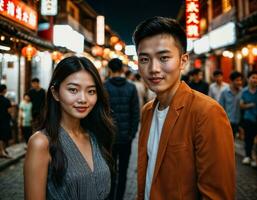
100, 30
65, 36
49, 7
202, 45
192, 19
223, 36
19, 12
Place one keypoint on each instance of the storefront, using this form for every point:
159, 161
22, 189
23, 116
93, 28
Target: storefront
18, 24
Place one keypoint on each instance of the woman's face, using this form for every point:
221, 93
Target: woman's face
77, 95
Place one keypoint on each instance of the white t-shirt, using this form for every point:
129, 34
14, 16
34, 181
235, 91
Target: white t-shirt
153, 146
215, 90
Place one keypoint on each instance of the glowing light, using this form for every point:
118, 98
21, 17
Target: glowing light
239, 56
254, 51
245, 51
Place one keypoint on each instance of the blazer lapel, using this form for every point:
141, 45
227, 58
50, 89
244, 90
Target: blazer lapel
178, 102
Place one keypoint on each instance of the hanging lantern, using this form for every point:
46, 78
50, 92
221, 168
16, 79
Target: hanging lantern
97, 51
56, 56
28, 51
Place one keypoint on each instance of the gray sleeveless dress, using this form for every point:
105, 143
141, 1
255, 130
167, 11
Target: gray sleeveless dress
79, 182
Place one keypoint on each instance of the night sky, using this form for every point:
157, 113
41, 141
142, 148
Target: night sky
124, 15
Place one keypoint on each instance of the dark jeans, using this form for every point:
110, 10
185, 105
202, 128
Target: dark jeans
27, 132
121, 154
250, 129
234, 127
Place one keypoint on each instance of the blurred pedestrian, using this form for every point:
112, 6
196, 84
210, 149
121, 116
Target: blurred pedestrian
186, 148
25, 117
129, 76
70, 156
125, 111
230, 100
218, 86
249, 106
5, 122
141, 90
197, 83
37, 95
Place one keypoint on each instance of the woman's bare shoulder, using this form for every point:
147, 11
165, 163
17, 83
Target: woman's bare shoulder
38, 141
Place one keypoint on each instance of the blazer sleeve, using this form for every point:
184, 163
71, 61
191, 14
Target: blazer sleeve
215, 157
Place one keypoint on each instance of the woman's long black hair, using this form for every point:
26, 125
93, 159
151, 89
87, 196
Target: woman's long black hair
98, 121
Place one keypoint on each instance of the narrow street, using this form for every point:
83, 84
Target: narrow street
11, 179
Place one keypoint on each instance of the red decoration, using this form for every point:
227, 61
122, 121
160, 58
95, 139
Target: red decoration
28, 51
192, 19
56, 56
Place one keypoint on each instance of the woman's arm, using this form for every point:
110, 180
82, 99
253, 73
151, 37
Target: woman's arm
36, 167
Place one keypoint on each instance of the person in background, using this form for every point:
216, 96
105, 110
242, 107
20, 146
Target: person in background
230, 100
37, 96
218, 86
129, 76
25, 117
125, 111
197, 83
141, 90
181, 152
5, 120
249, 106
69, 157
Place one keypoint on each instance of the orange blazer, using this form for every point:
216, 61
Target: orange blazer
196, 158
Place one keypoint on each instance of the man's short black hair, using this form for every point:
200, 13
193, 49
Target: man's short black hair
251, 73
2, 88
35, 80
217, 72
195, 71
115, 64
161, 25
234, 75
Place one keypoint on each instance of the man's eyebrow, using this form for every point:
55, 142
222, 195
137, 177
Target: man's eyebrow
159, 52
143, 54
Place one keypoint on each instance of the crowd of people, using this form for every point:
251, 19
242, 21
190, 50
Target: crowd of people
79, 133
239, 100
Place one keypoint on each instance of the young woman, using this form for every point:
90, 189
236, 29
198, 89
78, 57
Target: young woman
25, 117
69, 157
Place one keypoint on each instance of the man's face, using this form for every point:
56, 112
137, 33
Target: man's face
198, 77
238, 82
35, 85
160, 62
218, 78
253, 80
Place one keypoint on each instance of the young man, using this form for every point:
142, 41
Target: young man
230, 100
197, 83
249, 105
186, 148
218, 86
125, 111
37, 96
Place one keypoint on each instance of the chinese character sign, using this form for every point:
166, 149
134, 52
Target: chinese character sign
192, 19
19, 12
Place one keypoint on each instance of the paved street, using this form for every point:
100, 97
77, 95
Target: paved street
11, 179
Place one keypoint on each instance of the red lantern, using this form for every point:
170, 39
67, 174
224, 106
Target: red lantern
56, 56
28, 51
97, 51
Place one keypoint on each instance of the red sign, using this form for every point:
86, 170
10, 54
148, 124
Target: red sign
19, 12
192, 19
